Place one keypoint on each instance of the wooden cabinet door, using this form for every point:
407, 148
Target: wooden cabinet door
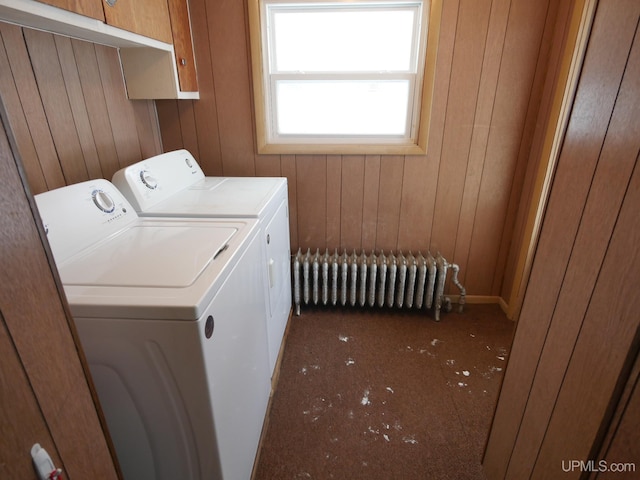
145, 17
46, 395
183, 45
20, 418
88, 8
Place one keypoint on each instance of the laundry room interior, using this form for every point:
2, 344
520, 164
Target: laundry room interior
527, 187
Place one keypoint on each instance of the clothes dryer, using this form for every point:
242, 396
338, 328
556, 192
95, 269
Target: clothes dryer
173, 184
171, 317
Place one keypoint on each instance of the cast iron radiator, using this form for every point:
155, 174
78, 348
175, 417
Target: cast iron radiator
374, 280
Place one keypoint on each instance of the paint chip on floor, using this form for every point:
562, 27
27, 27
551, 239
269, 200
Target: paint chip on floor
343, 338
492, 370
350, 361
304, 370
410, 439
365, 398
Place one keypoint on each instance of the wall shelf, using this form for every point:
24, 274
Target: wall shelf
148, 66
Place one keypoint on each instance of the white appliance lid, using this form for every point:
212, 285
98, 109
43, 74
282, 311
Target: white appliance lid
234, 197
167, 256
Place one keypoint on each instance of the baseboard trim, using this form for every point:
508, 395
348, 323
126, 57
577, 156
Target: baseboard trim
482, 299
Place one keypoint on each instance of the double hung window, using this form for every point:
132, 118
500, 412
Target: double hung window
342, 76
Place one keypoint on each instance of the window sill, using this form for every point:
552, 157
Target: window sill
336, 149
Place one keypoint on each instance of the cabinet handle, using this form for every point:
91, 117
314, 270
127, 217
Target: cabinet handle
183, 61
111, 3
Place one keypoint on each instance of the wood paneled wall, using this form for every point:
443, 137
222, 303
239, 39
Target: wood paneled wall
44, 391
461, 199
578, 333
68, 109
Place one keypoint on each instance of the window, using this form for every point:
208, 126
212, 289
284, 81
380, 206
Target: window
343, 76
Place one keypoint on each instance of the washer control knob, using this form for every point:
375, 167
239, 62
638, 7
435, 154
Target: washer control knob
188, 161
148, 180
103, 201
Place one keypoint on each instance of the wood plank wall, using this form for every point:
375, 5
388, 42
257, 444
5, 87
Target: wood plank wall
68, 108
579, 331
461, 199
45, 394
623, 438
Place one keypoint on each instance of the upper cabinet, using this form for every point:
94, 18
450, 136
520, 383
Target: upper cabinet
88, 8
153, 38
146, 17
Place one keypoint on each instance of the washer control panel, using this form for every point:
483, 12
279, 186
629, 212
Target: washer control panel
79, 215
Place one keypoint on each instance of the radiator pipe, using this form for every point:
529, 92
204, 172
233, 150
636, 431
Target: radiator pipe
373, 270
354, 279
456, 282
296, 282
383, 279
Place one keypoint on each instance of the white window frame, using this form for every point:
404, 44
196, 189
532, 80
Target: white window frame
421, 80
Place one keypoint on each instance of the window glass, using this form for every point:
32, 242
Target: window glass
343, 40
342, 107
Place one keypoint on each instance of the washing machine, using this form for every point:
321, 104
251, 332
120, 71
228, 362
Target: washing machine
173, 184
171, 317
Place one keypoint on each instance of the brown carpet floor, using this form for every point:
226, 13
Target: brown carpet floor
378, 395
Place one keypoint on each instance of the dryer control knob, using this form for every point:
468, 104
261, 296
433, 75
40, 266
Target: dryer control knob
148, 180
103, 201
